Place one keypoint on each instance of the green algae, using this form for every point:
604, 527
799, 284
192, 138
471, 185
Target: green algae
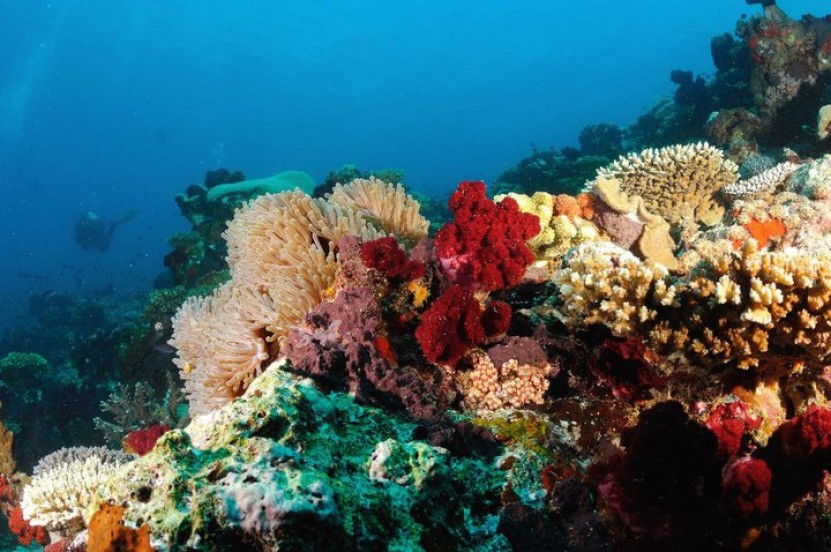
287, 457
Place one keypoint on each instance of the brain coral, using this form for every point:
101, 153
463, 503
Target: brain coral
281, 261
676, 182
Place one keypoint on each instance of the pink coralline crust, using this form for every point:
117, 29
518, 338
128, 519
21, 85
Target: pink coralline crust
385, 256
142, 441
808, 433
623, 230
730, 421
524, 350
746, 486
484, 246
455, 323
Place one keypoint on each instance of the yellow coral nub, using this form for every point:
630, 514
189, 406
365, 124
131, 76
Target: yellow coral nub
419, 291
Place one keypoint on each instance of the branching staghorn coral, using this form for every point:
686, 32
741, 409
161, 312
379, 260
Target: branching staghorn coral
64, 486
136, 406
744, 308
281, 252
676, 182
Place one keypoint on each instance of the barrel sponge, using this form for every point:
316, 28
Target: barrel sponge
282, 259
58, 498
676, 182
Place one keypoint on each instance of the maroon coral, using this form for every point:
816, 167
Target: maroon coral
808, 433
484, 246
385, 256
627, 366
455, 323
746, 486
142, 441
665, 485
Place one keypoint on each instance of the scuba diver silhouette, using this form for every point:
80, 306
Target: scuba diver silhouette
93, 232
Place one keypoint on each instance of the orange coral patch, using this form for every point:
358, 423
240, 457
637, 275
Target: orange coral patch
107, 532
385, 350
763, 231
566, 205
586, 202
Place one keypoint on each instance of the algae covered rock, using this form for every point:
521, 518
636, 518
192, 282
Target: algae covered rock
289, 467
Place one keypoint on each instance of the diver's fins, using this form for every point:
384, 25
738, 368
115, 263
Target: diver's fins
126, 218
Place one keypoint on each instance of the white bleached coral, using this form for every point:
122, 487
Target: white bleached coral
765, 181
65, 486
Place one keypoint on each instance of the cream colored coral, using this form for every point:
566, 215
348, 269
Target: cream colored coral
558, 233
676, 182
511, 385
386, 206
58, 498
765, 181
740, 308
601, 283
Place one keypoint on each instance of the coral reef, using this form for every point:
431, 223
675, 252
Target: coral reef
287, 466
281, 264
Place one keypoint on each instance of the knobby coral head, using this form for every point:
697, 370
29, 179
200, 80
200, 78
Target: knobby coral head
484, 247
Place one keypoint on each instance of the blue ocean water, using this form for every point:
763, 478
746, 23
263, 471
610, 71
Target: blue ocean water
118, 106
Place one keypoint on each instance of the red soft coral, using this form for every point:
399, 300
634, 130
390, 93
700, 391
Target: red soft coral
142, 441
730, 421
484, 246
627, 366
455, 323
746, 486
808, 433
386, 257
26, 533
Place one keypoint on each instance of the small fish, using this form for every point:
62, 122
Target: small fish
31, 276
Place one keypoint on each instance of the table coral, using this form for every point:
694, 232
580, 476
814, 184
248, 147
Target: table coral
676, 182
